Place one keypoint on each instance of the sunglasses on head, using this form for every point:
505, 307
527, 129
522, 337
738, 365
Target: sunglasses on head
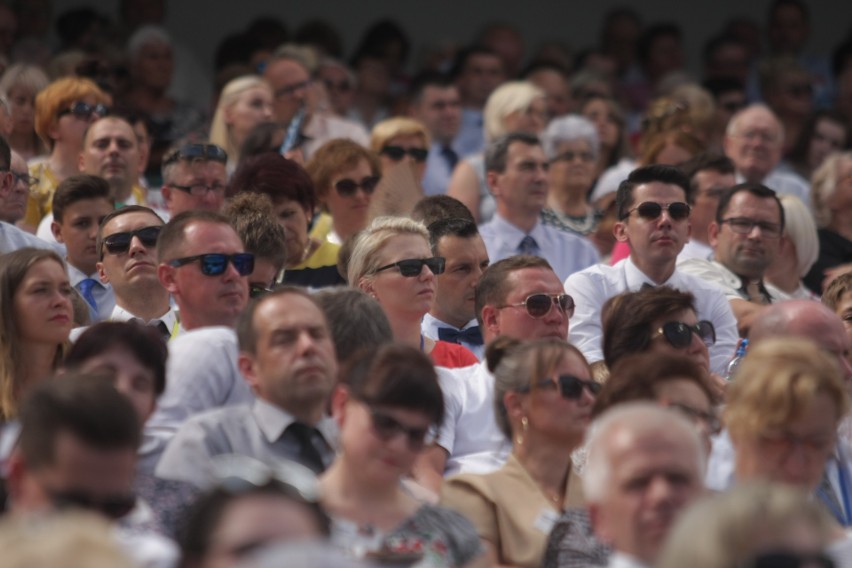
347, 187
214, 264
411, 267
539, 305
679, 334
387, 427
118, 243
84, 110
652, 210
111, 506
204, 152
569, 386
784, 559
396, 153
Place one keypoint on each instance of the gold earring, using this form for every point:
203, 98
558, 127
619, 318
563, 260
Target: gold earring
519, 439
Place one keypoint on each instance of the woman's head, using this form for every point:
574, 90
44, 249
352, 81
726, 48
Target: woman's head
401, 139
800, 229
571, 145
65, 108
609, 121
530, 391
670, 148
831, 187
515, 106
244, 103
20, 84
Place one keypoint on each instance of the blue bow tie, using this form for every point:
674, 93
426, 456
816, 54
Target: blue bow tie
470, 335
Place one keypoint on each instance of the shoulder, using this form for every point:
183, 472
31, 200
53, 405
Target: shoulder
446, 354
211, 338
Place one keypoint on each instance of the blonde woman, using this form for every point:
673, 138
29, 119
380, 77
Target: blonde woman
244, 103
20, 84
799, 251
831, 196
401, 139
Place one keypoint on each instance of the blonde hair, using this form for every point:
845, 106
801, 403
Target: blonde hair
508, 98
397, 126
219, 131
823, 186
776, 383
365, 257
800, 227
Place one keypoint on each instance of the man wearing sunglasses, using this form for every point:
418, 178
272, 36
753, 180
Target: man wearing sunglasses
516, 170
654, 221
194, 178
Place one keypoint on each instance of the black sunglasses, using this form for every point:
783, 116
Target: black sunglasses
347, 187
411, 267
118, 243
205, 152
569, 386
679, 334
784, 559
214, 264
387, 427
84, 110
652, 210
539, 305
111, 506
396, 153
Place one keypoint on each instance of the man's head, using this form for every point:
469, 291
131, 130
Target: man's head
477, 72
80, 203
710, 176
509, 300
286, 352
203, 264
253, 217
746, 234
13, 202
459, 243
290, 80
77, 447
437, 104
194, 178
516, 170
645, 465
111, 151
653, 216
434, 208
782, 412
127, 253
555, 82
754, 140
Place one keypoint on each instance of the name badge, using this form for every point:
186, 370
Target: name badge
546, 519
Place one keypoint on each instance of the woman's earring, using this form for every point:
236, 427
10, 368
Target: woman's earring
519, 439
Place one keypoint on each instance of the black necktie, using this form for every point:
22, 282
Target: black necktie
163, 329
528, 246
309, 456
472, 335
451, 156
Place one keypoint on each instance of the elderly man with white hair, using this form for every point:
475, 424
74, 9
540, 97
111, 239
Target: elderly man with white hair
645, 465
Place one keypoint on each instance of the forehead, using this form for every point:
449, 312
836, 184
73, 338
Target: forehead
758, 119
658, 191
288, 310
404, 245
660, 450
433, 93
285, 70
451, 246
207, 169
518, 151
201, 236
130, 222
746, 203
481, 60
686, 316
110, 127
528, 281
44, 267
84, 207
710, 178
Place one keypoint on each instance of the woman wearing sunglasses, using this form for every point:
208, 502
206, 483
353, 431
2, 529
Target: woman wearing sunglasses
387, 408
543, 397
392, 262
401, 140
345, 175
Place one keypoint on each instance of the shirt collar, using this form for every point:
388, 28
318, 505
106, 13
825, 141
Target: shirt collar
273, 421
636, 278
76, 275
511, 235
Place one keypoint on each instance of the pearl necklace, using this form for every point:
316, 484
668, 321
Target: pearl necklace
581, 225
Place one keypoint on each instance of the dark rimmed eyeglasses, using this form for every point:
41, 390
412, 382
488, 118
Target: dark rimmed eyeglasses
679, 334
714, 425
397, 153
200, 189
744, 226
84, 110
569, 386
387, 427
111, 506
411, 267
539, 305
204, 152
214, 264
652, 210
347, 187
24, 178
119, 243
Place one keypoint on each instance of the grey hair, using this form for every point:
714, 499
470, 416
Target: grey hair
356, 320
146, 35
734, 123
338, 64
497, 151
365, 258
800, 227
569, 128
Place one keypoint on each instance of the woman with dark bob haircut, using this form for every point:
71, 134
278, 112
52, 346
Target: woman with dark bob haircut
387, 409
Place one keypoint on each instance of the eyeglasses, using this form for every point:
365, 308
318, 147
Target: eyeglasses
571, 156
347, 187
744, 226
214, 264
539, 305
411, 267
258, 290
679, 334
288, 90
118, 243
84, 110
112, 506
23, 178
396, 153
785, 559
569, 386
387, 427
651, 210
714, 425
204, 152
199, 189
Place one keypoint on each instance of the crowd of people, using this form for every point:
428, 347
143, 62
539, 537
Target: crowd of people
496, 307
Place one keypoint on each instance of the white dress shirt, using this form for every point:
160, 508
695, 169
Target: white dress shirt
622, 560
170, 318
471, 136
438, 172
718, 274
594, 286
567, 253
694, 249
12, 238
103, 294
429, 327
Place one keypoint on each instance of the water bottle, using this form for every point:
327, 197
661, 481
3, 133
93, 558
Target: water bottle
731, 370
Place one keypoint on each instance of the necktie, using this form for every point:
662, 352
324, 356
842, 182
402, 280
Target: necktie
85, 287
161, 326
528, 246
828, 496
450, 155
472, 335
647, 285
309, 456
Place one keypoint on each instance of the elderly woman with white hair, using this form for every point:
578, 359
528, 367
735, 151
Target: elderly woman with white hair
244, 103
799, 248
571, 145
517, 106
831, 196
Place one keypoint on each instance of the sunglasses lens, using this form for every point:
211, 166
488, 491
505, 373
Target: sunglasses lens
707, 332
149, 235
570, 386
369, 184
117, 243
346, 187
435, 264
538, 305
213, 264
678, 334
395, 153
649, 210
566, 302
419, 154
678, 211
410, 267
244, 263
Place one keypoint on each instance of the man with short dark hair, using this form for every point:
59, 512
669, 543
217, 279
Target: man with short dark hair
11, 237
477, 72
14, 204
111, 151
654, 221
516, 170
435, 102
710, 176
194, 178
